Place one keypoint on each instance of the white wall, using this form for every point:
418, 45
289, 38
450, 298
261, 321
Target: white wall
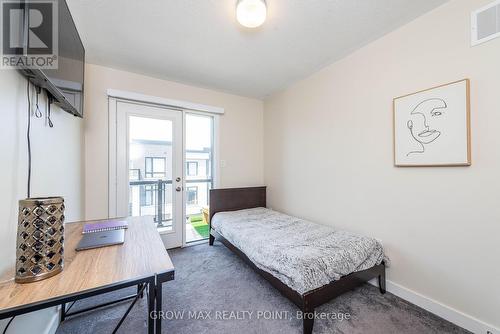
57, 169
328, 158
240, 130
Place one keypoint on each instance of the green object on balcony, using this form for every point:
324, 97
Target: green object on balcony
199, 225
197, 218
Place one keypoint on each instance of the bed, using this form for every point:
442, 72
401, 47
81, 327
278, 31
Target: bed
308, 263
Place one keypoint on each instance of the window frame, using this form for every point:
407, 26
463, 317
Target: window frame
188, 163
148, 189
138, 170
152, 174
188, 191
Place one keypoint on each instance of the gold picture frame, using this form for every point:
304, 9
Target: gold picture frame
416, 143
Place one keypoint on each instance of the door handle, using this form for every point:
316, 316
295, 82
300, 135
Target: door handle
178, 179
178, 189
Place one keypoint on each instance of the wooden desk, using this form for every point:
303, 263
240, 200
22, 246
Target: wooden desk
142, 259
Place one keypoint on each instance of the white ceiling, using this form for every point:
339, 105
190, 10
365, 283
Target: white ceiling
198, 42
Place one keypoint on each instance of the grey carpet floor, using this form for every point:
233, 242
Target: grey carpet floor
213, 282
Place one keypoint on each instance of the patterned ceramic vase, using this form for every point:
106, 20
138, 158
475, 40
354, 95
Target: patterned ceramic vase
40, 239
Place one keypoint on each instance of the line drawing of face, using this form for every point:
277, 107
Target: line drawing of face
420, 121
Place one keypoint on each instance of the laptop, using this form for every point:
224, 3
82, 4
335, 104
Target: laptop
101, 239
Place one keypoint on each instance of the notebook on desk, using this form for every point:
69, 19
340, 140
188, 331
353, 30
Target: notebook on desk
105, 225
101, 239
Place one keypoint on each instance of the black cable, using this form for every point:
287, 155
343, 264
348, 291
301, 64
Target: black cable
47, 103
8, 324
28, 138
48, 112
38, 113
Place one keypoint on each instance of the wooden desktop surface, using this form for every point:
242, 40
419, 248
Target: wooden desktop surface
142, 255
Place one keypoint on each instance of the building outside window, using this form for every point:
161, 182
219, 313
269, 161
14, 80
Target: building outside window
155, 167
192, 168
148, 195
134, 174
192, 195
207, 166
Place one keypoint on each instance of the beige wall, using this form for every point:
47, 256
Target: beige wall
57, 170
328, 158
240, 130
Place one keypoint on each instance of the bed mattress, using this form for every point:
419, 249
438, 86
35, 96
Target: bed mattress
303, 255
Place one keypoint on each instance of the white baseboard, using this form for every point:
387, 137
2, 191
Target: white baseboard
454, 316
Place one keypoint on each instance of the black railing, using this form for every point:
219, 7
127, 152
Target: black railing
157, 197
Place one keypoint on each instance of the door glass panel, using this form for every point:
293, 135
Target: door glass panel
150, 170
198, 171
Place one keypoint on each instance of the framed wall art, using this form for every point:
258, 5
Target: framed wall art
432, 126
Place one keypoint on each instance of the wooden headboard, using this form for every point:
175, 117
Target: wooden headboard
231, 199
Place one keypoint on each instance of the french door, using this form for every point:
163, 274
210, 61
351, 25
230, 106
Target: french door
149, 166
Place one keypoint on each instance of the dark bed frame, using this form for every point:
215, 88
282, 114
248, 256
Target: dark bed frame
245, 198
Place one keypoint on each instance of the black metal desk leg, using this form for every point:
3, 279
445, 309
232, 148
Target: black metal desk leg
129, 309
158, 304
151, 306
63, 311
160, 279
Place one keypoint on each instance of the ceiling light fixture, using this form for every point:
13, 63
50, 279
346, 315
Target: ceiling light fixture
251, 13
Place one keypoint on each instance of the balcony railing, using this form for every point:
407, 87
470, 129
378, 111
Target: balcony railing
153, 197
